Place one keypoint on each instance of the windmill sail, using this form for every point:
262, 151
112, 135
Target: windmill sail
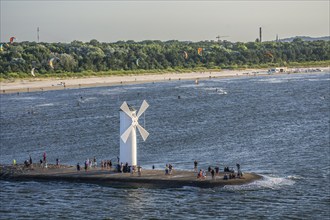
125, 108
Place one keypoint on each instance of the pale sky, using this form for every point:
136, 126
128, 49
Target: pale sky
111, 21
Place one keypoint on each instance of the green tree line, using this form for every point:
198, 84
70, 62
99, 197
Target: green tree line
18, 58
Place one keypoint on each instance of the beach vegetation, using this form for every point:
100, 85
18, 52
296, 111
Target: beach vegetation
94, 58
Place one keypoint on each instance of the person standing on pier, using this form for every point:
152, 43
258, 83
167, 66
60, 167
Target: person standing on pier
30, 160
212, 173
139, 169
86, 165
44, 157
195, 165
238, 167
95, 162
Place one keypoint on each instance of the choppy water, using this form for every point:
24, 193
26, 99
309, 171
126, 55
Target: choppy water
277, 126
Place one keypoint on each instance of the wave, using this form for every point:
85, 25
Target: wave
193, 85
136, 87
273, 80
318, 80
89, 99
25, 98
267, 182
45, 105
295, 177
219, 91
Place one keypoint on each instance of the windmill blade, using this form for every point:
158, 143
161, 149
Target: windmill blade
143, 107
143, 132
125, 109
126, 134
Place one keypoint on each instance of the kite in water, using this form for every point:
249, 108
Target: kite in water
137, 61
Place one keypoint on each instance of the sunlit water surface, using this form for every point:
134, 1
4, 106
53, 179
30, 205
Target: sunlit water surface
277, 126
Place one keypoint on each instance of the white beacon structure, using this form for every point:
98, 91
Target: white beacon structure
128, 123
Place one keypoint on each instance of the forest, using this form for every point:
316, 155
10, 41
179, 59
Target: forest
28, 59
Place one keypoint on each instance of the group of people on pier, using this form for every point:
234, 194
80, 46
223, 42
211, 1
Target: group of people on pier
43, 161
106, 164
228, 173
168, 169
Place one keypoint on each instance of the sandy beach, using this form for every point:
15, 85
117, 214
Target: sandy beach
44, 84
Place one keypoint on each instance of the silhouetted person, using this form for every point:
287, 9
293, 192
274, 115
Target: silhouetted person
195, 165
212, 173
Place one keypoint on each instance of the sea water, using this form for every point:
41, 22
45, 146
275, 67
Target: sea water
276, 126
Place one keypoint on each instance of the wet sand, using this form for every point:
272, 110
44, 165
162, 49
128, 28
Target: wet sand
148, 178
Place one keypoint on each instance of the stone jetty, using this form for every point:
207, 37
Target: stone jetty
147, 178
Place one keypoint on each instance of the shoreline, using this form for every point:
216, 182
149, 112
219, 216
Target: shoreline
148, 178
47, 84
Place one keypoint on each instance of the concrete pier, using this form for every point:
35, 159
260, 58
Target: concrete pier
147, 179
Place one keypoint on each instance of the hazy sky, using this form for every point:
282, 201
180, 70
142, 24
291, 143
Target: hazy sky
111, 21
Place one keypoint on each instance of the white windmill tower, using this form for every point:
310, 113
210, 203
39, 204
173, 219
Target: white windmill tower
128, 123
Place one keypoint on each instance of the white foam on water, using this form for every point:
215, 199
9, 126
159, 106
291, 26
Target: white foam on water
222, 92
295, 177
192, 85
318, 80
219, 91
136, 87
267, 182
89, 99
45, 105
25, 98
273, 80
